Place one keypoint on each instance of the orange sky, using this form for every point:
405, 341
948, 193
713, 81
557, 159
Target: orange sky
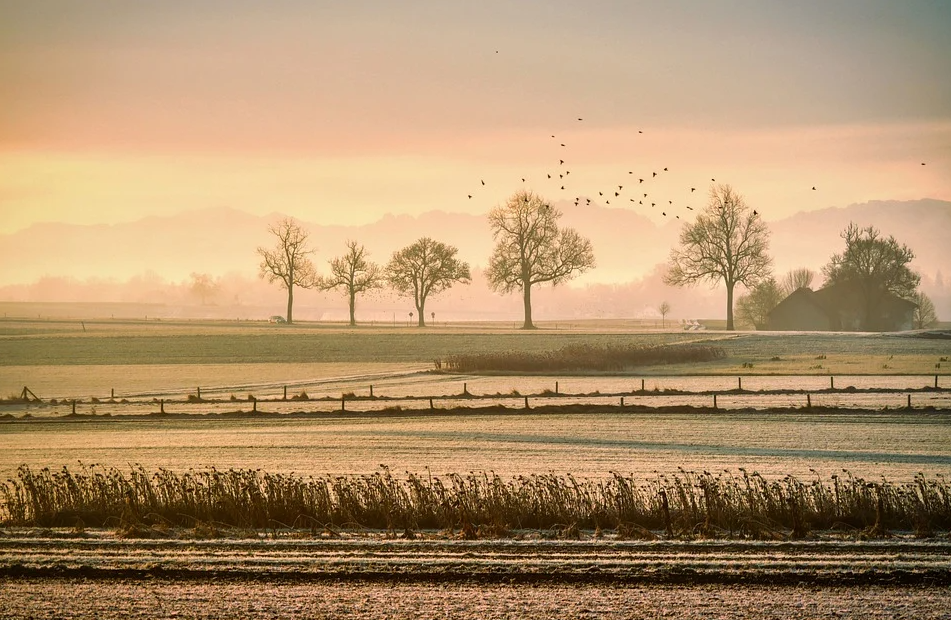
342, 112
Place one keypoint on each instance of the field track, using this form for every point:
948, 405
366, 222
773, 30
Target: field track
377, 559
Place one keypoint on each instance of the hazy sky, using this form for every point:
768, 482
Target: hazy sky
339, 112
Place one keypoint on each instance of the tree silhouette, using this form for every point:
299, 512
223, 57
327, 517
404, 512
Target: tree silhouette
530, 248
664, 309
287, 262
727, 242
875, 266
203, 286
925, 315
753, 308
425, 268
796, 279
353, 274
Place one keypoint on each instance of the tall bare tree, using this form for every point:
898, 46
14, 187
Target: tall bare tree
796, 279
425, 268
353, 274
288, 261
876, 266
727, 242
531, 249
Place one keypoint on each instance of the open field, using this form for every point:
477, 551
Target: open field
896, 444
43, 343
220, 597
298, 573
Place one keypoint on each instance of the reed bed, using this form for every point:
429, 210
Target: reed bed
683, 505
603, 358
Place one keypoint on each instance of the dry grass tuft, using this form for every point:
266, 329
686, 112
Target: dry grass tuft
477, 505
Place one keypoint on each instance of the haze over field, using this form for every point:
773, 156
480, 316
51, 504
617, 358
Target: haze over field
140, 143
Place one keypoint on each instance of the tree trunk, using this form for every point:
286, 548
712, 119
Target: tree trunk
290, 304
729, 306
527, 299
420, 307
353, 303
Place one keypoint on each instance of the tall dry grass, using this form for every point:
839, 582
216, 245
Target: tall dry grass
603, 358
686, 504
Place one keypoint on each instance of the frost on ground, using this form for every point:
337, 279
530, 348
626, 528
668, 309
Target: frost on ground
215, 598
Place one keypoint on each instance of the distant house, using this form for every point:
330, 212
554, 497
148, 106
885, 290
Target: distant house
839, 308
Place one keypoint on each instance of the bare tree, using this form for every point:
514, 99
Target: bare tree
796, 279
288, 261
876, 266
203, 286
530, 248
425, 268
753, 308
353, 274
727, 242
925, 315
664, 310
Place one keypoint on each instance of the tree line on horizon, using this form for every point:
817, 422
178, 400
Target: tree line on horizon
727, 243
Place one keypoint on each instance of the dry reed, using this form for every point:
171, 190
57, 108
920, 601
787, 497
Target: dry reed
686, 504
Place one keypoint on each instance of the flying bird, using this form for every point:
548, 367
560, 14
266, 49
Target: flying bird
580, 119
620, 187
755, 212
523, 179
562, 143
664, 213
922, 163
654, 173
693, 189
483, 182
616, 194
470, 196
714, 180
639, 131
813, 188
690, 208
665, 169
640, 180
561, 162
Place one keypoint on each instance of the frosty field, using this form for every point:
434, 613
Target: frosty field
96, 572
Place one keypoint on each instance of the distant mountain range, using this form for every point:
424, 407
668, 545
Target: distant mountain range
628, 246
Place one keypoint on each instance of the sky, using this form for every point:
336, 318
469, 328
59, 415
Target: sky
341, 112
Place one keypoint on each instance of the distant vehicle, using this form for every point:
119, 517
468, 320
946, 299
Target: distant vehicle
277, 318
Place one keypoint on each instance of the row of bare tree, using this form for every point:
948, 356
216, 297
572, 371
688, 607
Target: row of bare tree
727, 242
530, 248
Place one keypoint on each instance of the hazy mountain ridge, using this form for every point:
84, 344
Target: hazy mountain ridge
150, 260
627, 245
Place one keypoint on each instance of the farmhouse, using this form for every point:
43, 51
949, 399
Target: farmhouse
839, 308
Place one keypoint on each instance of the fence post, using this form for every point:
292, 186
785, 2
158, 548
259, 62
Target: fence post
714, 401
112, 394
371, 391
808, 402
198, 392
343, 403
431, 404
526, 402
556, 387
622, 401
285, 392
831, 382
74, 406
909, 401
161, 405
465, 389
936, 382
642, 385
254, 405
739, 383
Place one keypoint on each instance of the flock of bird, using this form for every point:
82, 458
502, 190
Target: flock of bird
630, 193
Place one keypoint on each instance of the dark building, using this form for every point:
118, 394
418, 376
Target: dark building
839, 308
